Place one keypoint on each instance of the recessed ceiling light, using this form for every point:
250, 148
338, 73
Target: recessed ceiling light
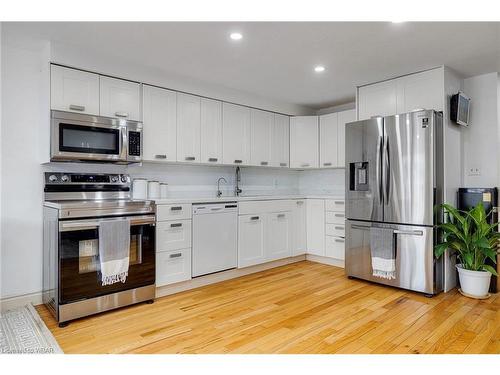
319, 68
236, 36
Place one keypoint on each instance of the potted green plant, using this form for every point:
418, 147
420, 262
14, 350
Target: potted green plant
468, 234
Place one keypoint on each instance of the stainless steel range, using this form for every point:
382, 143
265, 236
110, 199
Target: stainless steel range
75, 206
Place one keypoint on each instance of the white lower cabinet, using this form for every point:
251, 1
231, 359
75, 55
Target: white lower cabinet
173, 244
315, 212
264, 231
278, 235
251, 240
335, 229
299, 245
173, 266
173, 235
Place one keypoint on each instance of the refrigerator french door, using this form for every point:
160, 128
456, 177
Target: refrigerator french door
394, 179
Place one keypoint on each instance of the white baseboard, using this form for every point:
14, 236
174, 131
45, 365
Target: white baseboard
222, 276
326, 260
18, 301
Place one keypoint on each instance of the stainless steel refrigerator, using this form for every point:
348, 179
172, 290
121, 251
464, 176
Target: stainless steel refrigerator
394, 179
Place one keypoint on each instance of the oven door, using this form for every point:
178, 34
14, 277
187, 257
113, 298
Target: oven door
79, 139
80, 277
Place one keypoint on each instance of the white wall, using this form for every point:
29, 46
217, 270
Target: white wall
480, 139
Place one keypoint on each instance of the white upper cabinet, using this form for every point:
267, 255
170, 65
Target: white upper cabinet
235, 134
343, 118
74, 90
379, 99
328, 137
160, 124
120, 98
188, 128
304, 142
261, 130
423, 90
211, 131
280, 141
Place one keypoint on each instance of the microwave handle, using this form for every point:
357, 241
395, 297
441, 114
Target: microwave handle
68, 226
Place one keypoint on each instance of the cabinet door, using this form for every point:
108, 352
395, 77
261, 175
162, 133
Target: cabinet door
315, 226
261, 129
328, 140
278, 235
379, 99
280, 141
120, 98
160, 127
251, 241
335, 247
73, 90
188, 128
211, 131
343, 118
304, 147
299, 228
423, 90
235, 134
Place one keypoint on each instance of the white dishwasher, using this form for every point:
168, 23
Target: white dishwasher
215, 237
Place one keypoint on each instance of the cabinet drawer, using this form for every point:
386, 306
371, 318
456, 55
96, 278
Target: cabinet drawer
173, 235
173, 212
335, 230
173, 266
334, 217
335, 247
337, 205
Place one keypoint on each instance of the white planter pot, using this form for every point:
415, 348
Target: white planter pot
474, 283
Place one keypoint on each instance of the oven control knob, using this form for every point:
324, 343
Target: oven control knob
124, 178
114, 179
52, 178
64, 178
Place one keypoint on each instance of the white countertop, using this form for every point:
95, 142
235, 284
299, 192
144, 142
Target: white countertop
243, 198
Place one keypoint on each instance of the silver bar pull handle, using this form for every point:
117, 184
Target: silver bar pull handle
327, 164
339, 228
160, 156
305, 165
410, 232
264, 163
283, 164
175, 255
339, 215
254, 218
279, 216
213, 160
362, 227
75, 107
340, 202
189, 158
238, 161
121, 114
176, 208
175, 225
339, 240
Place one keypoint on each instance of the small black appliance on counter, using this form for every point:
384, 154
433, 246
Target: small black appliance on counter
470, 197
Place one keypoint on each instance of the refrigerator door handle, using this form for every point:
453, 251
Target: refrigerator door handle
410, 232
378, 171
386, 169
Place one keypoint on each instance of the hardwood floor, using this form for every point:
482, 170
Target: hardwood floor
304, 307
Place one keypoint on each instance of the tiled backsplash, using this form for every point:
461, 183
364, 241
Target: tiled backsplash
201, 181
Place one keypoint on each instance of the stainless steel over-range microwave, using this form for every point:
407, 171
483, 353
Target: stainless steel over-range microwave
79, 137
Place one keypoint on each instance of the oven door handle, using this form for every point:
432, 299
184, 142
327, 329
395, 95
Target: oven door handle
67, 226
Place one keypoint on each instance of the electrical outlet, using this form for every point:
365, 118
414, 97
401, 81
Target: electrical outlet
474, 171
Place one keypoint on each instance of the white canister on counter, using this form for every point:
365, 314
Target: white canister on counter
153, 190
140, 188
163, 190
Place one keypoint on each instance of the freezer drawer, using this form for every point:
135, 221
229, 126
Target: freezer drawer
414, 256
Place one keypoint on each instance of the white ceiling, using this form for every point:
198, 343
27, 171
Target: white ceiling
276, 60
